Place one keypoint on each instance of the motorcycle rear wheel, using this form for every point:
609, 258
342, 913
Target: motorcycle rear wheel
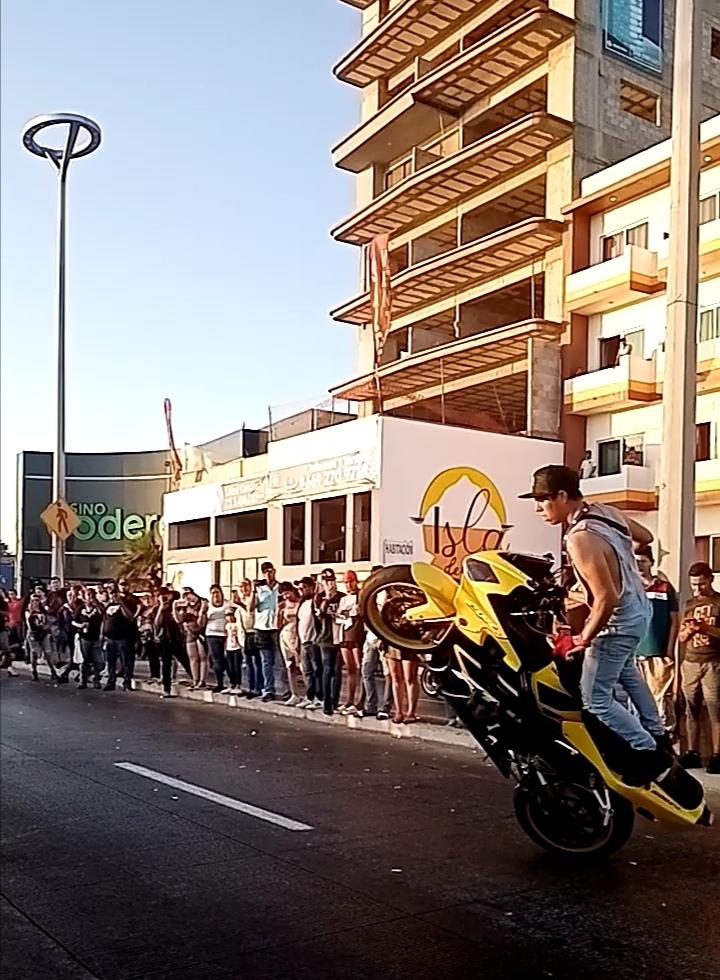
579, 833
399, 593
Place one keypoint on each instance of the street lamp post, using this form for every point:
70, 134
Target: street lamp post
82, 136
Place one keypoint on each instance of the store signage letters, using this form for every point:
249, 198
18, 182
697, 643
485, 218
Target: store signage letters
96, 521
337, 473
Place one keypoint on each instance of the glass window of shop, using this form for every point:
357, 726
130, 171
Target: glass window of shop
328, 530
362, 517
189, 534
231, 573
251, 525
294, 534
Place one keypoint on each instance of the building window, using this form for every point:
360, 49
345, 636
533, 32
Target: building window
633, 451
614, 245
708, 209
328, 530
637, 235
294, 534
715, 43
609, 457
233, 572
613, 454
609, 352
714, 552
709, 324
652, 21
362, 510
251, 525
702, 442
639, 102
189, 534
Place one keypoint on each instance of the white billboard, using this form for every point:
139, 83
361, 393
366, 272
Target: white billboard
447, 492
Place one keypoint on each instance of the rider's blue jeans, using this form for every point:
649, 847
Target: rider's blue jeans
611, 661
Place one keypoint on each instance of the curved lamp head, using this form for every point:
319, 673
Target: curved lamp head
83, 137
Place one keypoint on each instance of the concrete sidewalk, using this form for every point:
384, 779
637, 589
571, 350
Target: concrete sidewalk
425, 731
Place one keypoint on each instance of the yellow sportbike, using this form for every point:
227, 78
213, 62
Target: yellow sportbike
487, 638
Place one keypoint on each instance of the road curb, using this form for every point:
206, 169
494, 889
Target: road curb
423, 731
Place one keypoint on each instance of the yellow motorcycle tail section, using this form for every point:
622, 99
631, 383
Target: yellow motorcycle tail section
650, 799
440, 590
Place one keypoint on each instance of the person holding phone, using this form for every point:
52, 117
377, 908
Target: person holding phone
700, 670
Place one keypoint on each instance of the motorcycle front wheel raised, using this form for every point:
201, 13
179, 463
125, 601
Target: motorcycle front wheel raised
570, 822
386, 597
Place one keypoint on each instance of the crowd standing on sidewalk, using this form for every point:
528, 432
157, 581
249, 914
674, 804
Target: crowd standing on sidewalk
296, 642
292, 642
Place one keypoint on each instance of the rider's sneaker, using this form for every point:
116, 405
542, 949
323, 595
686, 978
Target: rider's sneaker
713, 768
691, 760
645, 766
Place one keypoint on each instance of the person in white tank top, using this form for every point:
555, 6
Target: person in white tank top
599, 544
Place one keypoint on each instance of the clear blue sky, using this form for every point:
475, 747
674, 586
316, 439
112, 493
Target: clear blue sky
200, 264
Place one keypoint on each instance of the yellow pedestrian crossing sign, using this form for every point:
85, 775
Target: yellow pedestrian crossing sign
60, 519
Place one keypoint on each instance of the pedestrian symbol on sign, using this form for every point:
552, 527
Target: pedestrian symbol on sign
60, 519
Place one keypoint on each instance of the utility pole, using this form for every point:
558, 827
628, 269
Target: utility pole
676, 518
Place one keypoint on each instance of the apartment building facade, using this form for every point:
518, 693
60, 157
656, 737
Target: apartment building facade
616, 304
478, 119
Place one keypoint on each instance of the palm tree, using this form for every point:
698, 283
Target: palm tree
141, 562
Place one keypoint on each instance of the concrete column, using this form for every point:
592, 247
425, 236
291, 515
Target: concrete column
676, 518
543, 388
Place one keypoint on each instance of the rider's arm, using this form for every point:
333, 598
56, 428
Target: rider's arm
590, 557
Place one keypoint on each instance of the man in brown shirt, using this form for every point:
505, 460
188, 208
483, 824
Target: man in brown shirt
700, 634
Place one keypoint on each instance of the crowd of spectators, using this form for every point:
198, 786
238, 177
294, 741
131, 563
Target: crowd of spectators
303, 643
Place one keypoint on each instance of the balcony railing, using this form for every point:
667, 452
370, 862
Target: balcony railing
633, 488
473, 74
456, 271
626, 385
430, 184
614, 283
708, 366
709, 249
404, 32
707, 482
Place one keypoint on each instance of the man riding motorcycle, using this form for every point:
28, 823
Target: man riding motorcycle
599, 545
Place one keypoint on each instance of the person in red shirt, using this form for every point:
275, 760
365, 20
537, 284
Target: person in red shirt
15, 620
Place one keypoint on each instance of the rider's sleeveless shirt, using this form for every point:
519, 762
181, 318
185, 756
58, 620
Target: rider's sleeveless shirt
609, 524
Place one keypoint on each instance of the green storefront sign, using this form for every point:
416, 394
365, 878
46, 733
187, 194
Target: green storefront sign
99, 523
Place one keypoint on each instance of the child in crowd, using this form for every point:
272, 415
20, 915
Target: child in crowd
233, 650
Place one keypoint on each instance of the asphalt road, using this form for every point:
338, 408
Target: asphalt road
413, 868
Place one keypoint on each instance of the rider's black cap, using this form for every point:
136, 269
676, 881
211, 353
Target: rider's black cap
550, 480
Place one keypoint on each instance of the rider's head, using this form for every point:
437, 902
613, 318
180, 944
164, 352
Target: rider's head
701, 578
556, 492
